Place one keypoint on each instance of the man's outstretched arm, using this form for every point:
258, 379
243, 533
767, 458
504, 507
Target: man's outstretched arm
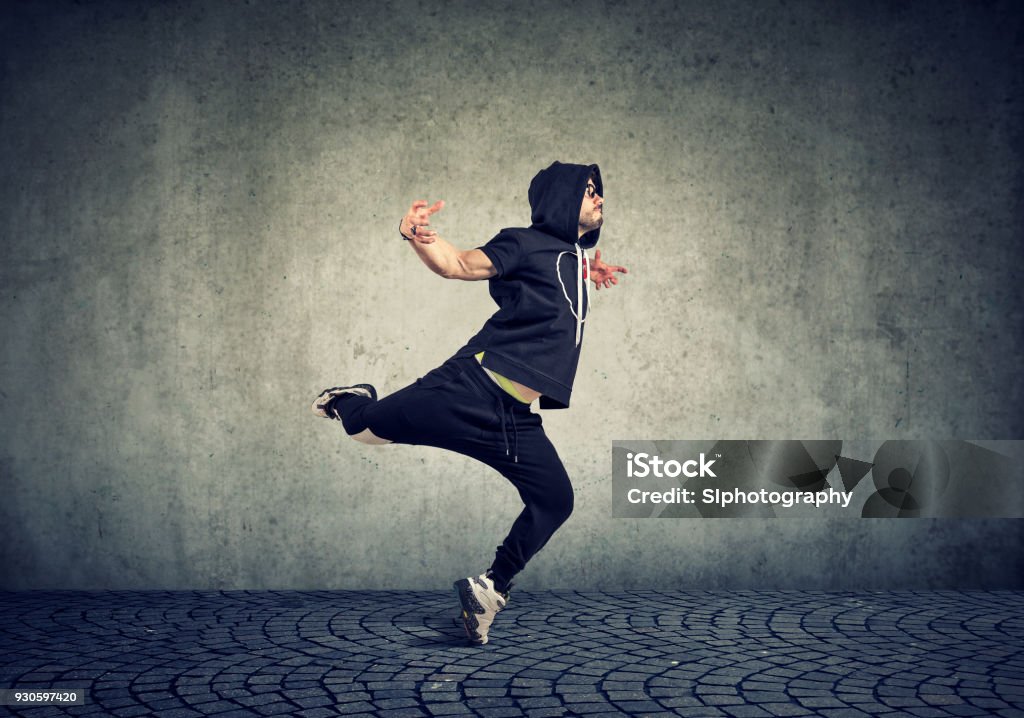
440, 256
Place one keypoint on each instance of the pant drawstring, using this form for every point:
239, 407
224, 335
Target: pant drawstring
501, 413
515, 437
504, 430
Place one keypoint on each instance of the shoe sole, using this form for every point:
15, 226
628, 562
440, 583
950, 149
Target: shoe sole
318, 408
470, 608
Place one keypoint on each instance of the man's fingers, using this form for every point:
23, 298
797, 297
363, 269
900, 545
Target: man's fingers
421, 212
421, 205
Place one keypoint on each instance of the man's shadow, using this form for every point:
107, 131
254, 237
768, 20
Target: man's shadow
433, 626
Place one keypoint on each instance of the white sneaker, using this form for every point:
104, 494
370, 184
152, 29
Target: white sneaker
480, 604
327, 395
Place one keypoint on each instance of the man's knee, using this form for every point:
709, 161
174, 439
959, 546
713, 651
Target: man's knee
368, 437
567, 505
558, 506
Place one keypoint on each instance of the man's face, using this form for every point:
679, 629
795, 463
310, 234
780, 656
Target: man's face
592, 209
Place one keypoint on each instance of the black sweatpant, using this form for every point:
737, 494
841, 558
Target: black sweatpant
459, 407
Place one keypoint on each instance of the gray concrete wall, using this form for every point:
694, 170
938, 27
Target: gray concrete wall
819, 204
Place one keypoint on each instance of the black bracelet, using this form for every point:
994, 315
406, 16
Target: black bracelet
400, 230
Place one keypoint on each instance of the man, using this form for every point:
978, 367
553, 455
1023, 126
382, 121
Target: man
478, 402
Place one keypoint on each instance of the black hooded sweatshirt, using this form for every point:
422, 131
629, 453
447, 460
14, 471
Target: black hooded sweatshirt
541, 288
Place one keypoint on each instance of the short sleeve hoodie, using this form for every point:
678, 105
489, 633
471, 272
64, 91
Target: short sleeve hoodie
541, 288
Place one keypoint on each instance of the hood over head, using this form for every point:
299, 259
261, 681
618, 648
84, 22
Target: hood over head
556, 194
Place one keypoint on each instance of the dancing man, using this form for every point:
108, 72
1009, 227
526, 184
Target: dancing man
478, 402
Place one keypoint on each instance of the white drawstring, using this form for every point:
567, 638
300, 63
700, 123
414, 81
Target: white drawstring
581, 258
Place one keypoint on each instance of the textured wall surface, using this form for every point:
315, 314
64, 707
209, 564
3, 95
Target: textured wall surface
819, 204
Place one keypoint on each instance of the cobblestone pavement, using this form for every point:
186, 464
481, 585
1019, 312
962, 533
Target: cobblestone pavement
360, 653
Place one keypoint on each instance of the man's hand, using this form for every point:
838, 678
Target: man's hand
416, 221
440, 256
604, 274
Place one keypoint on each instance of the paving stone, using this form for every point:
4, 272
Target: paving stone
702, 712
550, 712
448, 697
313, 701
634, 707
322, 712
402, 713
446, 709
273, 709
544, 702
131, 711
234, 713
394, 703
966, 710
765, 697
500, 712
356, 707
844, 713
474, 692
588, 709
746, 712
529, 692
785, 709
